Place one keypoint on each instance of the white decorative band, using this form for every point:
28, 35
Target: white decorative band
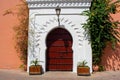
59, 0
62, 3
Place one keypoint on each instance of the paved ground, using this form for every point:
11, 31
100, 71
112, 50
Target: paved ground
20, 75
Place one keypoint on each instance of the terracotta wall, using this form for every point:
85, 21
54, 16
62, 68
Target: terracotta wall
8, 56
111, 58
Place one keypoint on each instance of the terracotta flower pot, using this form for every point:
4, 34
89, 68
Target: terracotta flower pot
95, 68
83, 71
34, 70
25, 68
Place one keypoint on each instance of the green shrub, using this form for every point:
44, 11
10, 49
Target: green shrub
100, 26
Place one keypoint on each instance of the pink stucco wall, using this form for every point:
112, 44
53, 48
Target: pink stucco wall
111, 57
9, 58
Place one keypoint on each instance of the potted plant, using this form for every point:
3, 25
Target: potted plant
95, 68
83, 69
35, 68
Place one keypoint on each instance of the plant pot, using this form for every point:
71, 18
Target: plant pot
25, 68
95, 68
35, 70
83, 71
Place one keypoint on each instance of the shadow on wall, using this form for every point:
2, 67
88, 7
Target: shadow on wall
111, 57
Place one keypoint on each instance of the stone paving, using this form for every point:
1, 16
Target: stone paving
20, 75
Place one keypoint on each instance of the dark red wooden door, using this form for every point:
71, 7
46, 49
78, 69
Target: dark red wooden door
59, 50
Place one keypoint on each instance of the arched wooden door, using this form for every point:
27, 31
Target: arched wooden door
59, 52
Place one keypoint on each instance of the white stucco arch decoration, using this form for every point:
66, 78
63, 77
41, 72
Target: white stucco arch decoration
42, 19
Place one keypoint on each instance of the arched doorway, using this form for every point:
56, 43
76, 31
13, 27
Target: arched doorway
59, 53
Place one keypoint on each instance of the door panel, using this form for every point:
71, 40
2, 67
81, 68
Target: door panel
59, 50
